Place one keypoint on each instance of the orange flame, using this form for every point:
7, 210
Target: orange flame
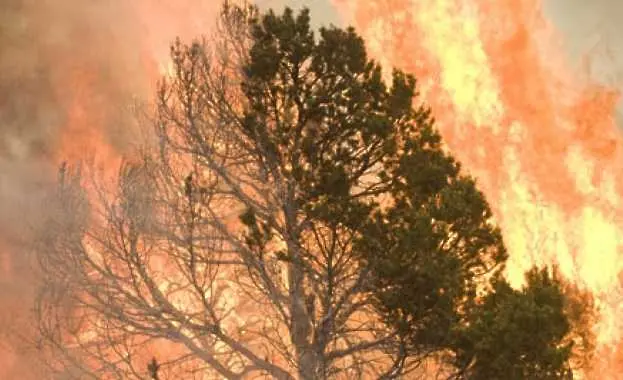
544, 146
87, 85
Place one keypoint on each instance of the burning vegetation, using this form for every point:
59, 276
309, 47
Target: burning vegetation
541, 139
291, 215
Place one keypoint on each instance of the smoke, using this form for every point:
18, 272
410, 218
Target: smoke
70, 70
592, 28
592, 39
57, 60
43, 45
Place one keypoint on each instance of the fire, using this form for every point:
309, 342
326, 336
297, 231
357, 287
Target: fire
97, 59
543, 145
96, 86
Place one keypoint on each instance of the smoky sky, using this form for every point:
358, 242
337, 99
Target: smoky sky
45, 48
55, 56
592, 28
591, 31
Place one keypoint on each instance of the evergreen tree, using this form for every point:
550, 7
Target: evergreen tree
518, 334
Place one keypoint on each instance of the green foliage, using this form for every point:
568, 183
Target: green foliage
518, 334
430, 250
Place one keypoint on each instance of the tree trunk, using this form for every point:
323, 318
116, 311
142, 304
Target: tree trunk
301, 326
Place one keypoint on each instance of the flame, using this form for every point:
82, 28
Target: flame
97, 58
543, 144
88, 87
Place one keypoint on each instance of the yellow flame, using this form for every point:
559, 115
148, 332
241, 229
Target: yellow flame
542, 144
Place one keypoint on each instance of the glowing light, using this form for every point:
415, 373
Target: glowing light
543, 144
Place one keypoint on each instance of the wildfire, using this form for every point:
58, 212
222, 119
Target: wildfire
544, 146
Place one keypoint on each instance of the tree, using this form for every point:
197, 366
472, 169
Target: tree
518, 334
264, 233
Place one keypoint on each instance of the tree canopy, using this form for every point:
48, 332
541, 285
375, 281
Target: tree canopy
296, 218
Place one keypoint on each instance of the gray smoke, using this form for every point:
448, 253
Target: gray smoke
593, 38
46, 45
